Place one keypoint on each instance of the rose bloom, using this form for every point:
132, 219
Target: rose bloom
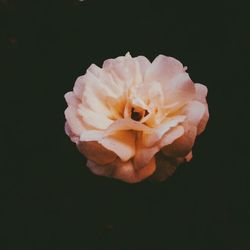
133, 119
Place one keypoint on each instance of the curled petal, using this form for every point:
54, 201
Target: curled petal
74, 121
200, 92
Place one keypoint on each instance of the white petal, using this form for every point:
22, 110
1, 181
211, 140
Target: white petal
94, 119
74, 121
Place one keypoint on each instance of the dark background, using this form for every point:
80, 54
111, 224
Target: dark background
49, 199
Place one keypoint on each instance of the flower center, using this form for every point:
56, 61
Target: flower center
137, 113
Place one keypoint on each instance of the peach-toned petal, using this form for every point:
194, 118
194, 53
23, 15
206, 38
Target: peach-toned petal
189, 156
124, 70
122, 143
96, 152
194, 112
74, 138
143, 62
74, 120
93, 119
203, 121
182, 146
165, 167
153, 135
200, 92
145, 154
176, 83
71, 99
125, 124
125, 171
103, 170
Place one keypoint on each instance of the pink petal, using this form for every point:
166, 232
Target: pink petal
203, 121
194, 112
200, 92
176, 83
71, 99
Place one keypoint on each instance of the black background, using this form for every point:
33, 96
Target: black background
49, 198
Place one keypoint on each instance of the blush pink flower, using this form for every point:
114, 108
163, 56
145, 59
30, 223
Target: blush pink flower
133, 119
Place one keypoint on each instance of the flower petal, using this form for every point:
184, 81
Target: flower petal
153, 135
93, 119
96, 152
74, 121
145, 154
183, 145
125, 124
103, 170
194, 112
200, 92
165, 167
203, 121
122, 143
125, 171
176, 83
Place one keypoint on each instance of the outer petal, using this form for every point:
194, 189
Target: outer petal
176, 83
74, 138
194, 112
183, 145
200, 92
203, 121
74, 121
103, 170
96, 152
165, 167
125, 171
145, 154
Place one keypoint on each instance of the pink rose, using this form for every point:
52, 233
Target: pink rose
133, 119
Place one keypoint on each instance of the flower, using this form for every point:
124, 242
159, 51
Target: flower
133, 119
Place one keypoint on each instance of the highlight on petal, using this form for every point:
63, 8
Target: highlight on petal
133, 119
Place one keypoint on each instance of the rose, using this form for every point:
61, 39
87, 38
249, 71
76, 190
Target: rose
133, 119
